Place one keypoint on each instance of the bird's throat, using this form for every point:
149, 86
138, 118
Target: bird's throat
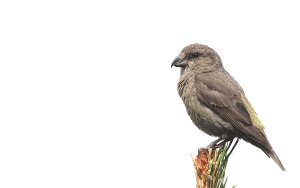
182, 69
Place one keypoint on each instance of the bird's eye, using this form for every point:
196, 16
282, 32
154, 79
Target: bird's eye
193, 55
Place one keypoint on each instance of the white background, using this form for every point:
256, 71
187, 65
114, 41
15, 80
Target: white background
88, 98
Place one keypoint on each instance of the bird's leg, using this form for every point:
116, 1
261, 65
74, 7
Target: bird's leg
236, 142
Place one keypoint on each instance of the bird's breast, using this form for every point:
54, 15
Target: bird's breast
204, 118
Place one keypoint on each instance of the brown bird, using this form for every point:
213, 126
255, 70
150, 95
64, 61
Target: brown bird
215, 102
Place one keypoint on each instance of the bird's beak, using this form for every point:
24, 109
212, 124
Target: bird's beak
179, 61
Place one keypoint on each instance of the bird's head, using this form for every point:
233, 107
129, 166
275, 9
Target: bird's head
197, 57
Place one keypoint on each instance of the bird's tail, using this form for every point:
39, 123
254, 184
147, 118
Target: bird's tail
266, 147
271, 153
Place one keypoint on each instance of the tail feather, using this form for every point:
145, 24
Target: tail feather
274, 156
261, 141
268, 150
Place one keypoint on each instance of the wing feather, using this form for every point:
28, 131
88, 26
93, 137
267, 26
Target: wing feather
225, 97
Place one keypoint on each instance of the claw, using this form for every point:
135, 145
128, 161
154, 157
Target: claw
219, 143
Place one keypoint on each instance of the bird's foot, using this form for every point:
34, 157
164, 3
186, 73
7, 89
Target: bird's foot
219, 143
214, 143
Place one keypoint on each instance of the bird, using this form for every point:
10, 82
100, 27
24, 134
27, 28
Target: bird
215, 102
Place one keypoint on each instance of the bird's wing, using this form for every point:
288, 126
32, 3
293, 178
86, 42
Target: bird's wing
224, 96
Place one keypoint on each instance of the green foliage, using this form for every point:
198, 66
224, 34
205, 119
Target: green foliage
210, 165
218, 160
